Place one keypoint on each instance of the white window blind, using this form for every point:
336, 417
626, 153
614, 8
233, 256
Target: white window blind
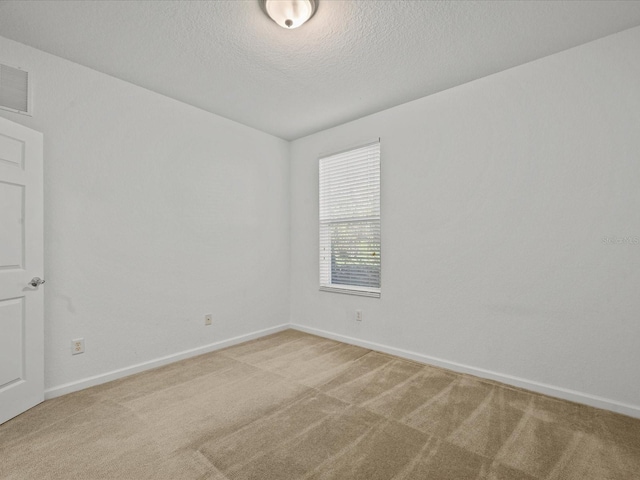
350, 221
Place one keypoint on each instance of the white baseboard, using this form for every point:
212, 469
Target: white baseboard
551, 390
158, 362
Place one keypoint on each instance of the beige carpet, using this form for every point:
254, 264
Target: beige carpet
296, 406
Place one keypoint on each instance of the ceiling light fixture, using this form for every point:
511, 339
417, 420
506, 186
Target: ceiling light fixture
289, 13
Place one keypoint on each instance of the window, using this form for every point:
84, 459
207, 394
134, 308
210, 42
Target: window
350, 221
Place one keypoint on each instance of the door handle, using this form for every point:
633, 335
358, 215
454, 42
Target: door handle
35, 281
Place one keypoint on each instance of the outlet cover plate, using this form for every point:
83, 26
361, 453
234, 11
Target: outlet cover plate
77, 346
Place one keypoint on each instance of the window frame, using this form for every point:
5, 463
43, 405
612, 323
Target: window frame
368, 221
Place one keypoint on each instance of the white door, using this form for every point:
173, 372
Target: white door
21, 252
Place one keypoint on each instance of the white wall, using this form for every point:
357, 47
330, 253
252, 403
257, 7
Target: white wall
156, 214
496, 197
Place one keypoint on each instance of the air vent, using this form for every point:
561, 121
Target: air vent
14, 89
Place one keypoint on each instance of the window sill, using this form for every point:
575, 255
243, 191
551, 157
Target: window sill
363, 292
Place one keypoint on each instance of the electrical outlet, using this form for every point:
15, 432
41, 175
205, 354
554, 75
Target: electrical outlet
77, 346
208, 319
358, 315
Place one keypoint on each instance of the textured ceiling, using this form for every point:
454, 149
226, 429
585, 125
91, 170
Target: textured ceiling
353, 58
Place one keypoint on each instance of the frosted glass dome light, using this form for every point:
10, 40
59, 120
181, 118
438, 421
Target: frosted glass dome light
289, 13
